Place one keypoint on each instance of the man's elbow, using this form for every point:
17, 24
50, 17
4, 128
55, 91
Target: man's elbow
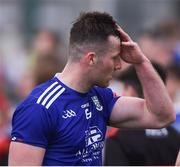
172, 117
168, 119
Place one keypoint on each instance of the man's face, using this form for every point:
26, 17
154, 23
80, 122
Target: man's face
108, 63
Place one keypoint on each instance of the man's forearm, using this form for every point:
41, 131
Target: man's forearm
155, 93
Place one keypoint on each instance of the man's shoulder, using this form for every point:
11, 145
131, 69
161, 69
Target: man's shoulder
47, 93
44, 94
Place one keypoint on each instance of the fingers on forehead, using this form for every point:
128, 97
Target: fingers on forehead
123, 34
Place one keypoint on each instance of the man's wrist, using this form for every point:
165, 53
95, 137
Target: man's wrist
144, 62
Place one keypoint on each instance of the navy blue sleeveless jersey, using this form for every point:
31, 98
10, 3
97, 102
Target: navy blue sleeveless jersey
71, 126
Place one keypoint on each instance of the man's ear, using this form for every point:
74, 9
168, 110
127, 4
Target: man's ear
91, 58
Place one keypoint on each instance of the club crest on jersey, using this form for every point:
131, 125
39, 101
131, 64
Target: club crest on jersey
99, 107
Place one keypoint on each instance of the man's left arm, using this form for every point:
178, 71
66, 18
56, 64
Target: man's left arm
156, 109
155, 93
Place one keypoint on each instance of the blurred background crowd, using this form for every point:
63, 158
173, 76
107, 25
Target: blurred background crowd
34, 39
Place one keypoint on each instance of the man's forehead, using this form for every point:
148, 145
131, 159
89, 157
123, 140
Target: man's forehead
114, 42
114, 39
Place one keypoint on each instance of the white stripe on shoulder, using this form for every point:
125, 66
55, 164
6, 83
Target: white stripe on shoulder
44, 93
50, 94
55, 97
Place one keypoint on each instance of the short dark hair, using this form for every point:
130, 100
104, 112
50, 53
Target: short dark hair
92, 28
129, 77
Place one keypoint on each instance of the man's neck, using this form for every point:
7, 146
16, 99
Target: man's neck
75, 77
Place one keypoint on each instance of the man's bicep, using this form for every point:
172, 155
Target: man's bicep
25, 154
130, 112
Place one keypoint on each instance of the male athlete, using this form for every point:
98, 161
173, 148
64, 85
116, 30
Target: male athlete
63, 121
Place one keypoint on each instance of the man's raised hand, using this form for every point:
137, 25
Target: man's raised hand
130, 51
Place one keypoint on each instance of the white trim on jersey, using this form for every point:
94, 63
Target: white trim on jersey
55, 97
53, 92
50, 94
45, 92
